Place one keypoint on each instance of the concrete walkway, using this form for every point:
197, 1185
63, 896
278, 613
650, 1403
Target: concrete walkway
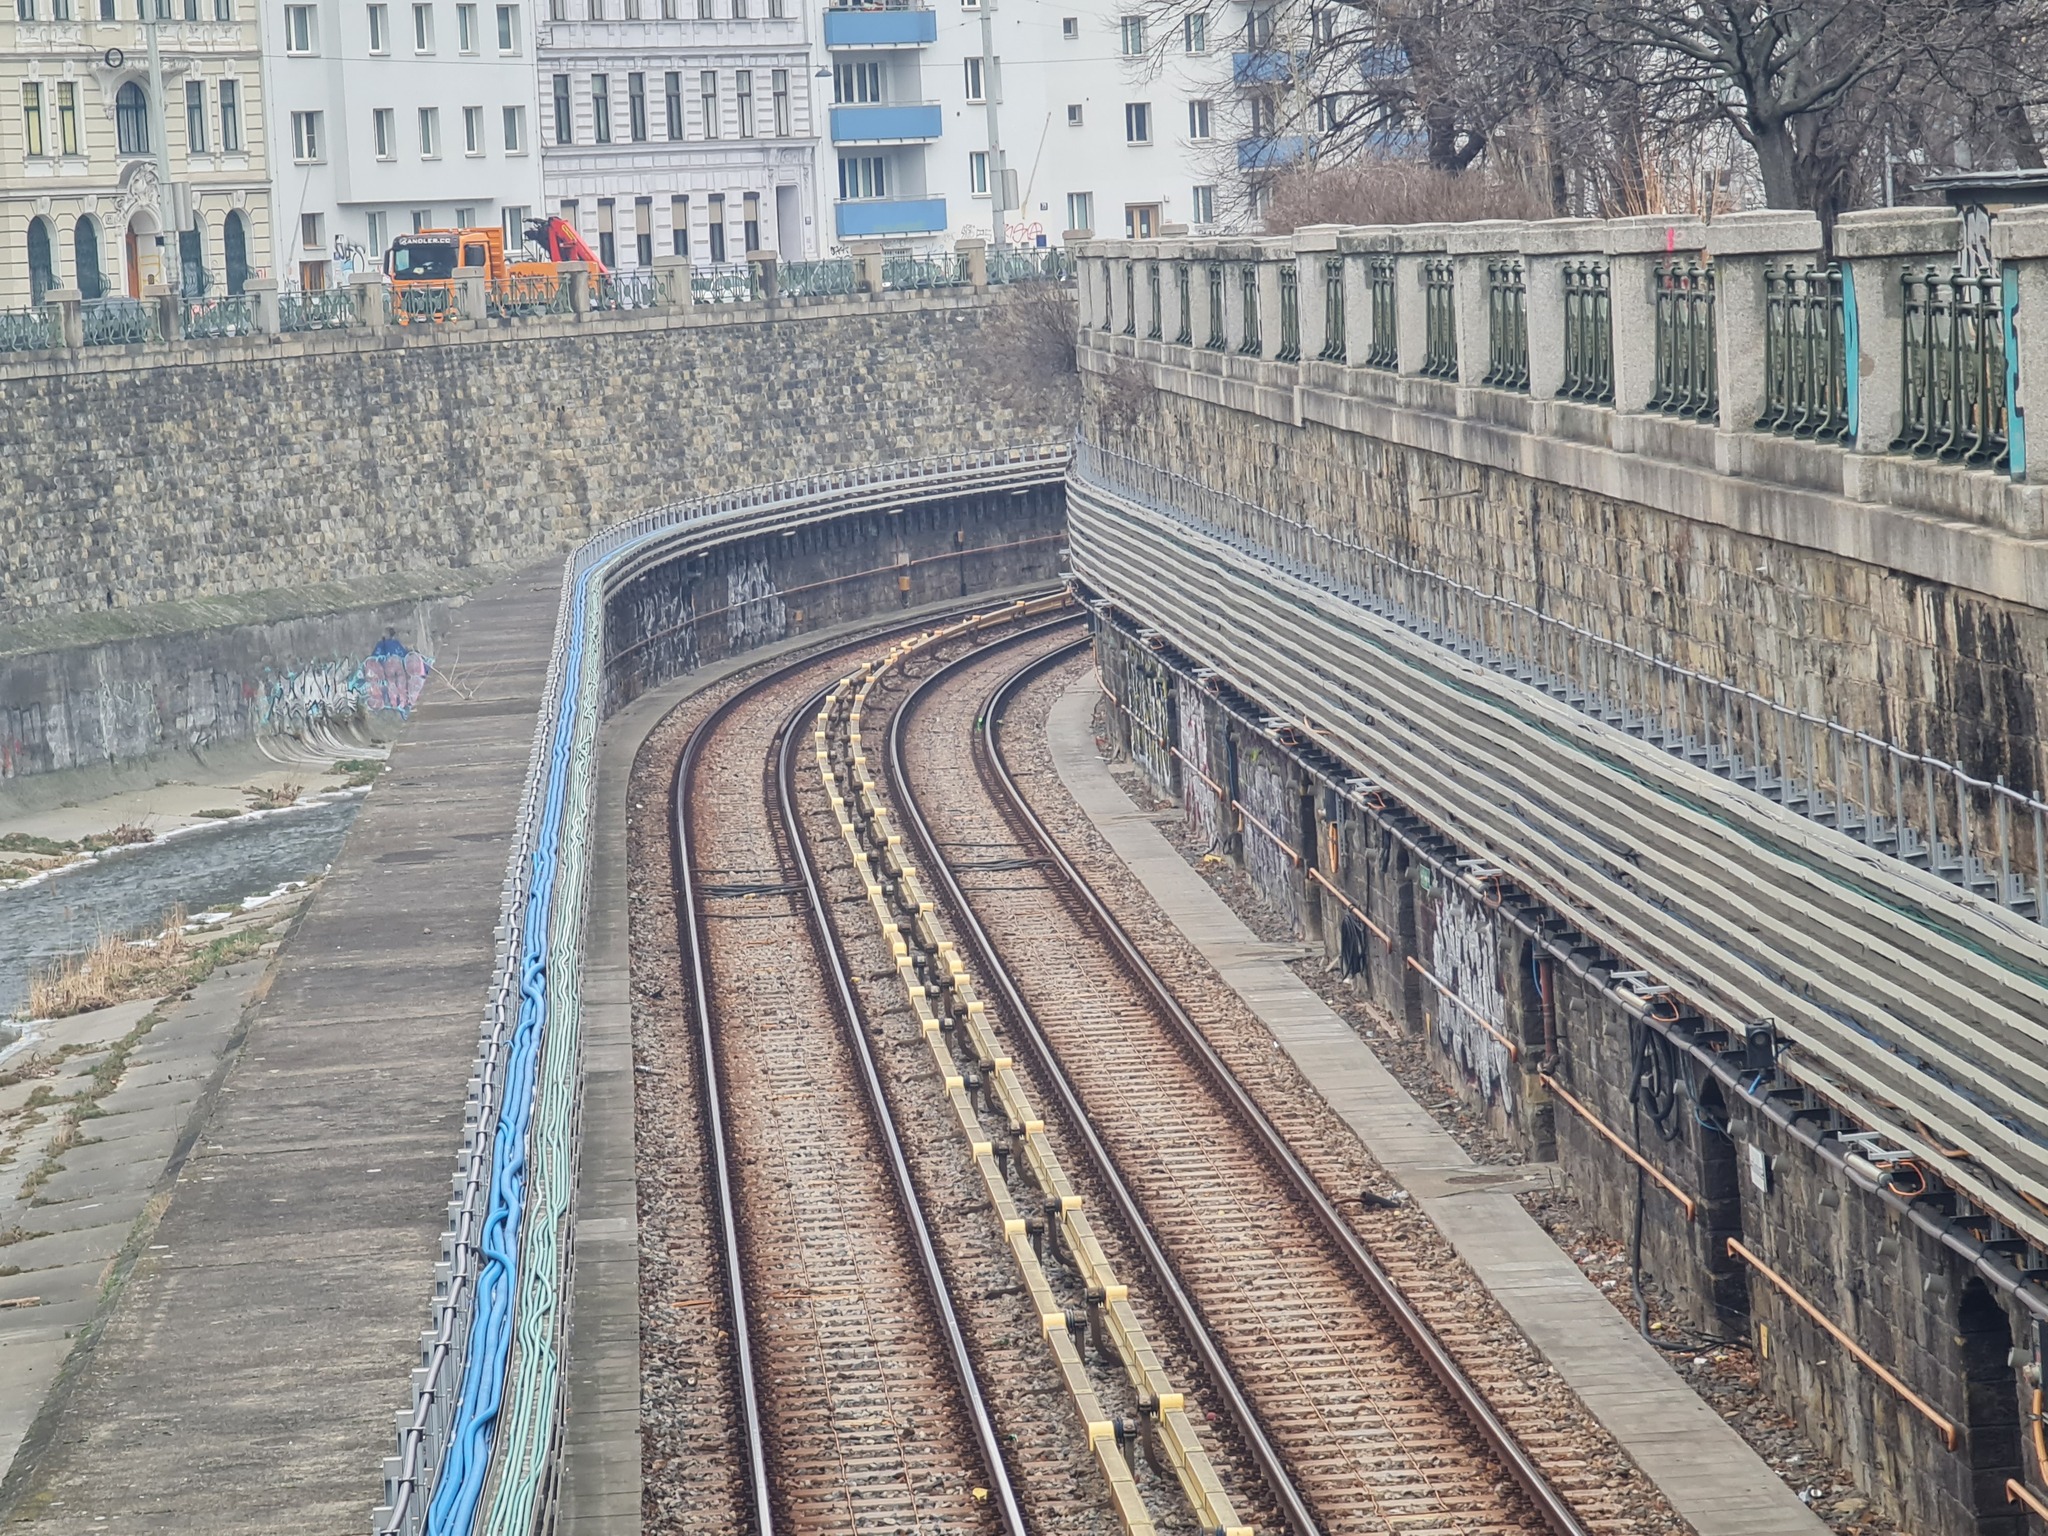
248, 1377
1710, 1475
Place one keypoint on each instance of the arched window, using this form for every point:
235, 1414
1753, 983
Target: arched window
42, 261
234, 239
85, 255
131, 120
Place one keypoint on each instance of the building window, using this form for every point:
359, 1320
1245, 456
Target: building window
230, 117
643, 231
109, 10
1202, 205
195, 117
312, 231
858, 84
751, 228
716, 225
380, 28
513, 217
679, 225
430, 133
1070, 28
707, 88
131, 120
515, 130
299, 34
1258, 30
974, 83
607, 232
636, 107
1137, 122
32, 119
564, 127
384, 133
472, 130
508, 29
465, 218
672, 102
24, 10
1194, 34
743, 97
739, 10
601, 110
1265, 116
1329, 114
703, 10
1198, 119
67, 118
465, 29
862, 176
306, 137
1131, 36
778, 82
977, 172
87, 277
1074, 114
1322, 24
423, 29
668, 10
1080, 210
374, 227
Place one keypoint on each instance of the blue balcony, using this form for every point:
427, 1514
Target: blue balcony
1266, 67
870, 220
912, 123
1270, 154
880, 29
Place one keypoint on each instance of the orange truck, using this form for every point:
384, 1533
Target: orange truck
422, 267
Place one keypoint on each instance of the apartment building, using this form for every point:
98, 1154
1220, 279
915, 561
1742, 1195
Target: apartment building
396, 115
1101, 124
107, 187
681, 127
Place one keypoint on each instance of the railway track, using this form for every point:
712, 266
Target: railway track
858, 1406
1367, 1420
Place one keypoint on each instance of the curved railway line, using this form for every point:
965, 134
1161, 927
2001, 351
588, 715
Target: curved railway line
1199, 1294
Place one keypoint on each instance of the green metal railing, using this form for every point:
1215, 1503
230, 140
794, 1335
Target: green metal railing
119, 322
1588, 334
523, 297
1290, 314
1156, 329
324, 309
1024, 264
1806, 374
1439, 319
1385, 351
817, 279
624, 290
1334, 346
1954, 378
220, 316
1130, 298
1217, 339
733, 282
29, 330
1688, 378
1183, 282
1108, 295
1250, 344
1507, 325
902, 272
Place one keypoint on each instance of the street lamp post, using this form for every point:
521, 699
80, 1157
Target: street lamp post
159, 134
996, 177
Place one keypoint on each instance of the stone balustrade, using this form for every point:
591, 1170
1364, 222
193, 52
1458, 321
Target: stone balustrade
1885, 371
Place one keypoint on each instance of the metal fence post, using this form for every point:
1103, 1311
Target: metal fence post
1875, 245
1742, 245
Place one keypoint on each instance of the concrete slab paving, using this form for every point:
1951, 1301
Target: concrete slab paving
1710, 1475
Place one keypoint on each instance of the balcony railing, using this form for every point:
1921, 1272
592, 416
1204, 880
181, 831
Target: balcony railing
872, 218
898, 123
891, 26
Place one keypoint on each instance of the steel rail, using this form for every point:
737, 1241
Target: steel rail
1464, 747
852, 1021
1519, 1465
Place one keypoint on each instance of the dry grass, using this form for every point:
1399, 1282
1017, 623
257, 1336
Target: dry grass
1397, 192
274, 799
120, 837
113, 971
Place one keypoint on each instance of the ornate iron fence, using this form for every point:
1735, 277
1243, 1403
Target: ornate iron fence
326, 309
522, 297
1439, 319
407, 304
1334, 342
222, 315
1588, 334
1688, 378
624, 290
1954, 360
1156, 326
817, 279
1507, 325
1130, 298
733, 282
119, 322
1806, 384
1183, 281
1108, 297
29, 330
1024, 264
1290, 314
1385, 351
1250, 342
900, 272
1218, 340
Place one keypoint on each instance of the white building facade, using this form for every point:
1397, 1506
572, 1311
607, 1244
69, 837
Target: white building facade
388, 116
1103, 125
681, 128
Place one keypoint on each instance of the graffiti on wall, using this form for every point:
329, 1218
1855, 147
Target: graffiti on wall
1269, 793
753, 606
1465, 954
1200, 803
302, 700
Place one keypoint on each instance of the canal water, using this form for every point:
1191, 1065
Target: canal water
128, 890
